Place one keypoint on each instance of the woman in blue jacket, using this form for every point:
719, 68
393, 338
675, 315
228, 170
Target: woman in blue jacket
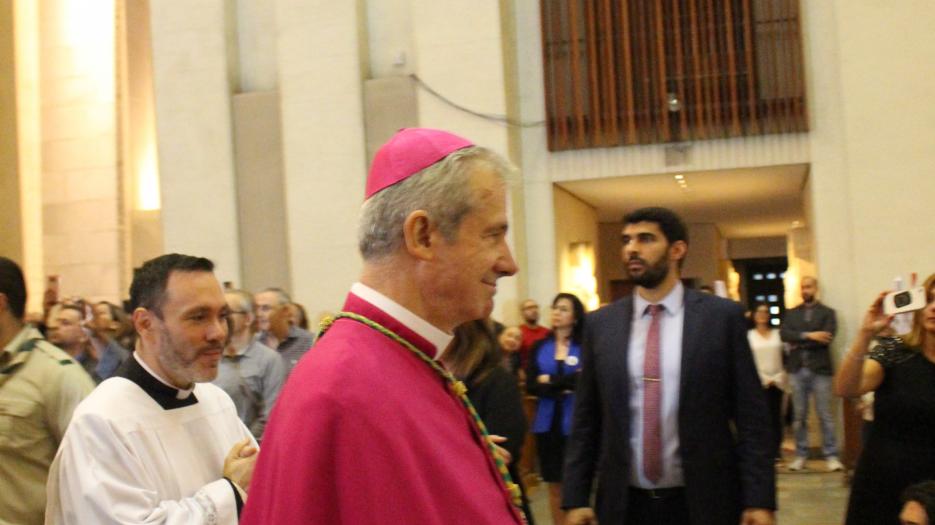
551, 375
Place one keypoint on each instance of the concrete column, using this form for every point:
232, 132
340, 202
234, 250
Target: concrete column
320, 77
81, 229
193, 128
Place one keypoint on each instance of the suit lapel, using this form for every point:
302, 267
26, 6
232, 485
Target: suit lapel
616, 353
691, 337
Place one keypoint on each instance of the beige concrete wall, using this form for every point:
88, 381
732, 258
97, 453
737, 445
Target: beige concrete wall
81, 225
756, 247
191, 72
264, 249
871, 145
320, 75
576, 223
11, 241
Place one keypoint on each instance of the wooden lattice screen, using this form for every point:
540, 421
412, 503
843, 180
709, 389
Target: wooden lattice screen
647, 71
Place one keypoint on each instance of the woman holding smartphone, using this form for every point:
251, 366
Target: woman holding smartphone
900, 449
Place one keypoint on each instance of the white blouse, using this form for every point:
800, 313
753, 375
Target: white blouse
767, 353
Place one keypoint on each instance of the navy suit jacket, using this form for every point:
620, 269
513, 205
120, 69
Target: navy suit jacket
724, 438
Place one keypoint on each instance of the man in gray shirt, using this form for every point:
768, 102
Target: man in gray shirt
277, 327
809, 329
250, 372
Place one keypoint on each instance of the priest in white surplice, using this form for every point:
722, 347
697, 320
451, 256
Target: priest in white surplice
157, 443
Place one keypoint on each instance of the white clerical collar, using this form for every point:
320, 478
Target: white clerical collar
180, 394
673, 301
427, 330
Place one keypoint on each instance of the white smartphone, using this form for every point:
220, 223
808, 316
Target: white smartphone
904, 301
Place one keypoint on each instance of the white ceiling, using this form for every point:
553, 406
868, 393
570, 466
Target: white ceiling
743, 203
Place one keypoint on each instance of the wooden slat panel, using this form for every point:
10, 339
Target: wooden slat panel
594, 86
697, 70
732, 70
662, 89
580, 137
629, 99
752, 126
608, 65
679, 69
714, 64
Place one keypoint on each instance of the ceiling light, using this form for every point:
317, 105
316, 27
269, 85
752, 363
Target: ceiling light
680, 177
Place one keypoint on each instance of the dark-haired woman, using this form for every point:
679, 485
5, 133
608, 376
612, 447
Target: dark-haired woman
475, 358
900, 449
551, 374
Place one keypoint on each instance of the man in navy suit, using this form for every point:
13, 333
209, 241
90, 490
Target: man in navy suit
670, 415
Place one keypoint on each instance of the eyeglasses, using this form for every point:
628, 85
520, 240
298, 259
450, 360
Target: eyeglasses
241, 312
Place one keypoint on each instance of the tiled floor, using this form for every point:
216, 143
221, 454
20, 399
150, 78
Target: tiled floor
809, 497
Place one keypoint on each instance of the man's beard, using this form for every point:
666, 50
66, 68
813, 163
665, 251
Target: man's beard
653, 274
809, 298
182, 368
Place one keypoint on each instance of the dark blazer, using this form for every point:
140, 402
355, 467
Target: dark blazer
724, 440
804, 352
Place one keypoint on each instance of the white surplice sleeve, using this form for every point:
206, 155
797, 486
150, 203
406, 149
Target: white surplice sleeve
96, 479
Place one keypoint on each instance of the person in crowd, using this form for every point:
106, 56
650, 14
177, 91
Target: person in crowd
551, 374
767, 354
250, 372
670, 414
370, 428
918, 504
532, 331
809, 329
111, 337
510, 340
158, 443
900, 448
66, 331
40, 386
277, 328
299, 315
475, 358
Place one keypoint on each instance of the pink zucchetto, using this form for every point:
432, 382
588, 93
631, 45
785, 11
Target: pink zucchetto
408, 152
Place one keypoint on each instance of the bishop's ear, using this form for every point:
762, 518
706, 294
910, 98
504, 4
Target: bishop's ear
419, 235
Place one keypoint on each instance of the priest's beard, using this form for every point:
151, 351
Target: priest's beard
653, 274
182, 364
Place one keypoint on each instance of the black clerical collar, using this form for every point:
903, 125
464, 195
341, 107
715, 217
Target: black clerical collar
165, 395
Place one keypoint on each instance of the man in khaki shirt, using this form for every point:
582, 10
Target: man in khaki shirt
40, 386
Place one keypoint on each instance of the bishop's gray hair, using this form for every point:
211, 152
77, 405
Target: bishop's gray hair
443, 190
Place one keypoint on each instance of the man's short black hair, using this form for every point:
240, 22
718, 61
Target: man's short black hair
13, 286
148, 289
672, 226
924, 494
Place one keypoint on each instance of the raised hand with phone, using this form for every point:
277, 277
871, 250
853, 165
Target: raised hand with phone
900, 370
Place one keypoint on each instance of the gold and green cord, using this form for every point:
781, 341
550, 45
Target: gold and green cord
457, 388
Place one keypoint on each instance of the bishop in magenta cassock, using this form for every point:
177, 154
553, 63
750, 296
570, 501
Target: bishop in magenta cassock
369, 428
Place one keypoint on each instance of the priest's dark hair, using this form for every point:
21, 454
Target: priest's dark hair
13, 286
148, 289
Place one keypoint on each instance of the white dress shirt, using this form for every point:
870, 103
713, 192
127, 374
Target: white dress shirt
670, 347
425, 329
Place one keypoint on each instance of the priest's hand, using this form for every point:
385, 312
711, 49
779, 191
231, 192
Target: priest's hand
239, 463
580, 516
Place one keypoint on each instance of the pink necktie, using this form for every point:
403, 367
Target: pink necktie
652, 400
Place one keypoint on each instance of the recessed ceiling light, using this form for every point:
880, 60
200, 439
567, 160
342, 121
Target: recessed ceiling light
680, 177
